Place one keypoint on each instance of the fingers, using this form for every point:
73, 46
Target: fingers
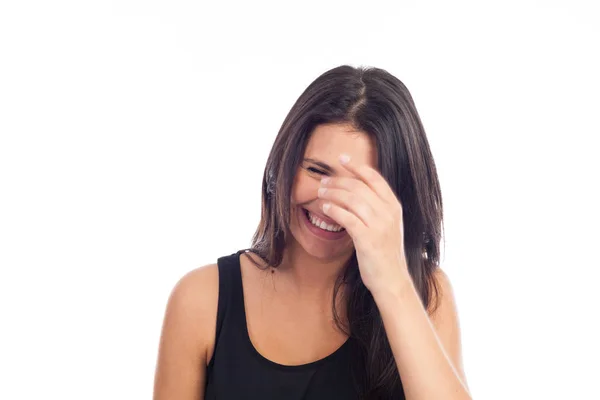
356, 190
359, 203
371, 178
345, 218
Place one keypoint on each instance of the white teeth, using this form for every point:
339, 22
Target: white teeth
323, 225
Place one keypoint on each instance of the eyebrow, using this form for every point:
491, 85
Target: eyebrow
321, 164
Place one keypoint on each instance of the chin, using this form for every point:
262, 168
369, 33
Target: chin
324, 253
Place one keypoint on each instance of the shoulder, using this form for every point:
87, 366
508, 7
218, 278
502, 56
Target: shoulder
192, 307
443, 284
188, 333
446, 322
196, 289
442, 297
197, 284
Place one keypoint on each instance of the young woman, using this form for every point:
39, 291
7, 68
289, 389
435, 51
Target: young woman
340, 295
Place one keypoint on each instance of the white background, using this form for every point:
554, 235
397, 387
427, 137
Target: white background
133, 136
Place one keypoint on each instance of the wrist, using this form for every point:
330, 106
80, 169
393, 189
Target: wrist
394, 290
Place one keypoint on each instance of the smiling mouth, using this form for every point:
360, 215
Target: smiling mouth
319, 223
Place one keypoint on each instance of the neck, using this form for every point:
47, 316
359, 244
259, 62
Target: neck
311, 275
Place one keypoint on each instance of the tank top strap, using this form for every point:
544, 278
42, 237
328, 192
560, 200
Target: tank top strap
230, 309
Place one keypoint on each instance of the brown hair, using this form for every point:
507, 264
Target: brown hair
377, 103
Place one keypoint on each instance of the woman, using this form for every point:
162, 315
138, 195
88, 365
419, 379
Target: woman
340, 295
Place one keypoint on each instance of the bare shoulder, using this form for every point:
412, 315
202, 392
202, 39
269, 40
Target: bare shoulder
445, 314
446, 322
444, 293
193, 303
197, 290
188, 335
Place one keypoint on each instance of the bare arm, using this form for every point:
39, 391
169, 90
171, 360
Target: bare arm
187, 336
427, 350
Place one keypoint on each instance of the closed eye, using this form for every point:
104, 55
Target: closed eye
316, 171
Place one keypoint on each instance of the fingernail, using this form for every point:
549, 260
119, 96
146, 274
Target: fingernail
321, 191
326, 207
325, 180
344, 158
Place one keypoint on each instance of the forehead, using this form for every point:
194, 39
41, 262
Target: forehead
328, 141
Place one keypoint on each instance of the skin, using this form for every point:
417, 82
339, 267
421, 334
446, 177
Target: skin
289, 311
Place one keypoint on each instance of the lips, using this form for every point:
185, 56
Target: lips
328, 221
319, 232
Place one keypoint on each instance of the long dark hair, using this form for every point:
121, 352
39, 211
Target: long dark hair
377, 103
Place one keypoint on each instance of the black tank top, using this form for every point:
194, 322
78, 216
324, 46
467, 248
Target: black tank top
238, 371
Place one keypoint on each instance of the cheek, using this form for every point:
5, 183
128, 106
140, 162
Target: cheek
304, 189
295, 196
